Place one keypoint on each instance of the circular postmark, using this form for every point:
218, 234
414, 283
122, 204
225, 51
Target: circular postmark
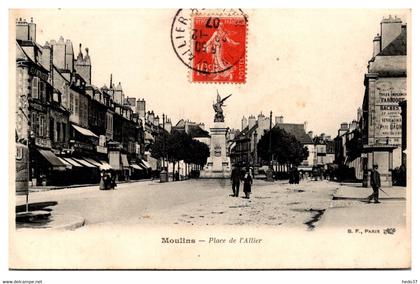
209, 41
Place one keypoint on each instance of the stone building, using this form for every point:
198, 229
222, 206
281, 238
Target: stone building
385, 87
299, 131
66, 121
41, 122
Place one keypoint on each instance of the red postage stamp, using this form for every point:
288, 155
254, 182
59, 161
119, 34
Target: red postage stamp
219, 49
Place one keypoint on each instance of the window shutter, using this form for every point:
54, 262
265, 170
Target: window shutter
35, 82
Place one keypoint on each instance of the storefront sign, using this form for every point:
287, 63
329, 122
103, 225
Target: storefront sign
388, 122
101, 149
35, 72
83, 146
41, 142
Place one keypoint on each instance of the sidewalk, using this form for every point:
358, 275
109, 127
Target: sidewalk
358, 192
349, 208
57, 187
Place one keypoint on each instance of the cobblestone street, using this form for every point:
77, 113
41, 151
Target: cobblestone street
208, 202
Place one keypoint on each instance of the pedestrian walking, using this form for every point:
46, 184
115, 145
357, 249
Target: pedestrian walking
235, 178
102, 184
375, 183
247, 183
112, 178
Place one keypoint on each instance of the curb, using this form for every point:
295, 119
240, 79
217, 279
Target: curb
75, 223
364, 198
79, 222
43, 189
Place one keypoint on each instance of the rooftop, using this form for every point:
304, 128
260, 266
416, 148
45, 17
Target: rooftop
297, 130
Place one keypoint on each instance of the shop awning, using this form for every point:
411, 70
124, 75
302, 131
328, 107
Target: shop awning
146, 164
84, 131
53, 159
124, 160
73, 162
84, 163
105, 166
137, 167
68, 165
93, 162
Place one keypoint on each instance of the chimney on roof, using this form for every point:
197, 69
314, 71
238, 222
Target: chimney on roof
311, 134
251, 121
278, 120
260, 120
390, 29
359, 114
305, 125
376, 45
244, 123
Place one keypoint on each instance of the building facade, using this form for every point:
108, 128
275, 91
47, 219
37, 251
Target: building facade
385, 88
66, 122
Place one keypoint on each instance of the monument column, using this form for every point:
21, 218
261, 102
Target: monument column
218, 164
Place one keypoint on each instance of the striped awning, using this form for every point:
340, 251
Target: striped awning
68, 165
84, 163
92, 161
137, 167
105, 166
73, 162
84, 131
146, 164
53, 160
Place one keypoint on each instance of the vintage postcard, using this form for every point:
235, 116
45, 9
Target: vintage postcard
210, 139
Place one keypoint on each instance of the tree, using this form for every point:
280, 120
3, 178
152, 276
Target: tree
286, 149
180, 146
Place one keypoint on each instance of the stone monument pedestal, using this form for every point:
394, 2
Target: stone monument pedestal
218, 164
382, 156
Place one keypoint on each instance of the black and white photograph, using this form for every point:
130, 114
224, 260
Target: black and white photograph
210, 138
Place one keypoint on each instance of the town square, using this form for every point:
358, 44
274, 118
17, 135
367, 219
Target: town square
220, 119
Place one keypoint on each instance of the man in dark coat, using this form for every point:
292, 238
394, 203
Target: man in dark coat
375, 183
235, 178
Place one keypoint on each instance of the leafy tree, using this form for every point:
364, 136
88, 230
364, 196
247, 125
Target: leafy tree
157, 149
180, 146
286, 149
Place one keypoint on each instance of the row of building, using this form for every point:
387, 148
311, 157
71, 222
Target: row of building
74, 129
379, 133
243, 143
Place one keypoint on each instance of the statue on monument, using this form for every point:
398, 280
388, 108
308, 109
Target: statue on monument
217, 106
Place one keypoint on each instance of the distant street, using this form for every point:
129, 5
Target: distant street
205, 202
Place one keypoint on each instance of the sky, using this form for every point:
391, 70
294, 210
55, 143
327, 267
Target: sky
306, 65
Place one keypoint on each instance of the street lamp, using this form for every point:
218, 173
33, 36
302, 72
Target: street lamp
163, 173
270, 167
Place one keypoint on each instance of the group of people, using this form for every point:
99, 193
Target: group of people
108, 180
237, 177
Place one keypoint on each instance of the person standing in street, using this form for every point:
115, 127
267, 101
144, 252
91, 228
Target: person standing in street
235, 178
375, 183
247, 183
